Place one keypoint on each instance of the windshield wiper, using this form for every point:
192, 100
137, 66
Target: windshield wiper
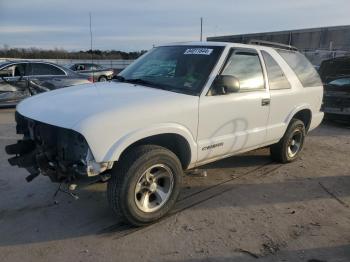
154, 85
134, 80
144, 82
137, 81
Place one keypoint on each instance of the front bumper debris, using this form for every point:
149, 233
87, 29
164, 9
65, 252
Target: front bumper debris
59, 153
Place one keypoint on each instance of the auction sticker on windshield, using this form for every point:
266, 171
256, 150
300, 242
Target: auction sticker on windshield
198, 51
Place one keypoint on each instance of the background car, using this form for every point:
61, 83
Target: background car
97, 72
335, 74
20, 79
336, 101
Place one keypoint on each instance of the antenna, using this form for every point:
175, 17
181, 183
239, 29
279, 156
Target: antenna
201, 37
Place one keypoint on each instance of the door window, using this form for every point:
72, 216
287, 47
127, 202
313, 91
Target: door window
45, 69
276, 77
246, 67
92, 67
80, 67
13, 71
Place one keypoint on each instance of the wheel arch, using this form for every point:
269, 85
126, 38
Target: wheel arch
303, 113
171, 141
178, 140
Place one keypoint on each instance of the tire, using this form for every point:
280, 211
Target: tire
286, 151
102, 79
129, 185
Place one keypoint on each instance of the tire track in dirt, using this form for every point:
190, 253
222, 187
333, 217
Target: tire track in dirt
122, 229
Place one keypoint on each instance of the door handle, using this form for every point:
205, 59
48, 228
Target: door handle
265, 101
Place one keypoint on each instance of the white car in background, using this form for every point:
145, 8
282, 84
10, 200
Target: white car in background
176, 108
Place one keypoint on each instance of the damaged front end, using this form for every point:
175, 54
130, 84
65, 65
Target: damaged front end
59, 153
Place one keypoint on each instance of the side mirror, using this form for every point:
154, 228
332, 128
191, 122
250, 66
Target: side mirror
226, 84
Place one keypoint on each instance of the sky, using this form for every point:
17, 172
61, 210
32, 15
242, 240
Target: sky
134, 25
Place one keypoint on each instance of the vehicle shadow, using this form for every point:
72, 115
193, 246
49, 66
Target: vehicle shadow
30, 214
27, 219
250, 159
332, 128
288, 191
91, 215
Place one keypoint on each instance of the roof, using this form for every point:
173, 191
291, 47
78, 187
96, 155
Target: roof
3, 64
8, 62
197, 43
214, 43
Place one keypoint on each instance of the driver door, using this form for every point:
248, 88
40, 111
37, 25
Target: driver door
235, 122
13, 83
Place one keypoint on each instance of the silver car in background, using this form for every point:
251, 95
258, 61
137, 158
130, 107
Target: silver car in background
96, 73
21, 79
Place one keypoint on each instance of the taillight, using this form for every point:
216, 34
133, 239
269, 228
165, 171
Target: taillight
91, 79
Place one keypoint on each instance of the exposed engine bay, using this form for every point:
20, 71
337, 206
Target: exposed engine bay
59, 153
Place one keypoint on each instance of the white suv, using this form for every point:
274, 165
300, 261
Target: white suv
177, 107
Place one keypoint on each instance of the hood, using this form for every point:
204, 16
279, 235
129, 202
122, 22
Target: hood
112, 113
333, 68
66, 107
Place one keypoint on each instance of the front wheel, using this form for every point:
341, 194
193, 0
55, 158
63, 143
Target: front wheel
145, 184
291, 144
102, 79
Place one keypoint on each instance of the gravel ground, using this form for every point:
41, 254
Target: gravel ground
247, 208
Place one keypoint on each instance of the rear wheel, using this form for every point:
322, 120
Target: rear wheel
145, 184
291, 144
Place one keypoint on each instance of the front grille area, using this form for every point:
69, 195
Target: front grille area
53, 151
341, 102
336, 102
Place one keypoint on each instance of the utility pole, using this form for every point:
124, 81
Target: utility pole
92, 56
91, 39
201, 38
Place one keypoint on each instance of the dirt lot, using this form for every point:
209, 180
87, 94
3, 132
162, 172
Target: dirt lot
246, 209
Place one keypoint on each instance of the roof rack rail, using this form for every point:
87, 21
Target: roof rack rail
272, 44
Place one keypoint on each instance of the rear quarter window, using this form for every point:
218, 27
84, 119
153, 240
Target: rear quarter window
277, 79
304, 70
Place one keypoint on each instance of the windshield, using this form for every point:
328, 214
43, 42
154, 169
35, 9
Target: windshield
182, 69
